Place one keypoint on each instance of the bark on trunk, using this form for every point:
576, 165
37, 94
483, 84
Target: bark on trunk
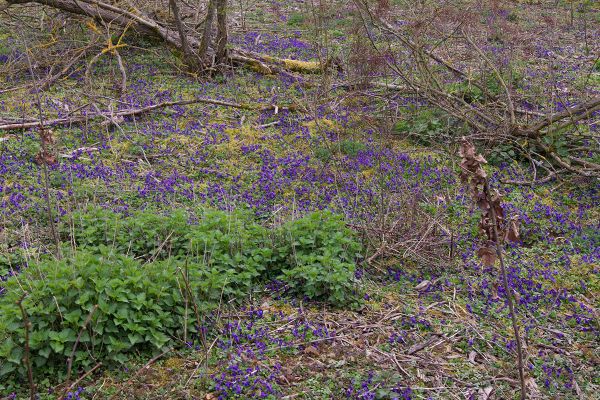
187, 53
221, 30
207, 31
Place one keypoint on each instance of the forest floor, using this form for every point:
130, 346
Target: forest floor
430, 321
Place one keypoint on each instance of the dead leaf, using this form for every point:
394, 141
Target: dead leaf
495, 291
472, 356
479, 158
311, 351
466, 150
484, 394
423, 285
480, 173
487, 256
532, 388
44, 157
46, 136
482, 202
512, 233
517, 296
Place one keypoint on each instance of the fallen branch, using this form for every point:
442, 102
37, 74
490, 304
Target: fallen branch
576, 113
142, 24
82, 377
129, 113
533, 182
146, 366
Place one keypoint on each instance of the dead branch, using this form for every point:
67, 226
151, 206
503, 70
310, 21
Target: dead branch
83, 327
123, 84
107, 12
128, 113
82, 377
491, 119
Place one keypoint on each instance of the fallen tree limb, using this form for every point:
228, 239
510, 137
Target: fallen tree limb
129, 113
107, 12
574, 114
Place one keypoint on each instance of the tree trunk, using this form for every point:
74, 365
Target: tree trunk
187, 53
207, 32
221, 41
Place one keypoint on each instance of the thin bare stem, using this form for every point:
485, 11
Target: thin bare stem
85, 324
44, 164
27, 357
509, 295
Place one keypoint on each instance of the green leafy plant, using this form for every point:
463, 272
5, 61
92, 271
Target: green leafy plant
503, 153
351, 148
425, 125
296, 19
144, 234
125, 289
317, 256
133, 307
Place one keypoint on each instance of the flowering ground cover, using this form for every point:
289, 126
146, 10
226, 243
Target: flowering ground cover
327, 310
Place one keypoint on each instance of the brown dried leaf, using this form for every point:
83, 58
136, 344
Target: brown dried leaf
484, 394
479, 158
512, 233
312, 351
466, 150
498, 209
46, 136
532, 388
495, 291
472, 356
464, 177
487, 255
423, 285
516, 295
480, 173
482, 202
44, 157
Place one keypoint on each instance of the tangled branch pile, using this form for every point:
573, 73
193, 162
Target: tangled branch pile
483, 91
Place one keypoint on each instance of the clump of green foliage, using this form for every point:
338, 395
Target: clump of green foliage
132, 275
351, 148
296, 19
314, 255
426, 125
317, 254
139, 307
230, 250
